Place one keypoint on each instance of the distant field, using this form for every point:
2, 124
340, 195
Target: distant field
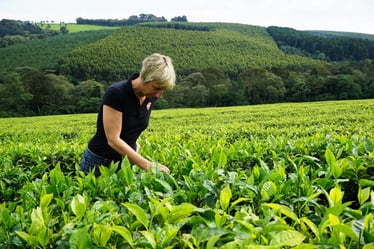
73, 28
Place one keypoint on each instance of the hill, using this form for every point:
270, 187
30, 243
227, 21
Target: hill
230, 48
224, 63
45, 53
323, 45
331, 34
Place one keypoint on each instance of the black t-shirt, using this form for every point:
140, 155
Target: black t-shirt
135, 118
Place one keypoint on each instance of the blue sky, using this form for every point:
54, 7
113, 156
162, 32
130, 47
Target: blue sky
335, 15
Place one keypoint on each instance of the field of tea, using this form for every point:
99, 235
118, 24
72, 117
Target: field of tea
297, 175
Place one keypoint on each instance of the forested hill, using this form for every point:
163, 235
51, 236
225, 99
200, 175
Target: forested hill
218, 64
324, 45
229, 48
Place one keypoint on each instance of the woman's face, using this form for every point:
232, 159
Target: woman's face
152, 90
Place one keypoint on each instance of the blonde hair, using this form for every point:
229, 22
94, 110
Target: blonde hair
158, 68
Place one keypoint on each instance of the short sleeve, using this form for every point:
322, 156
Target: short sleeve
112, 98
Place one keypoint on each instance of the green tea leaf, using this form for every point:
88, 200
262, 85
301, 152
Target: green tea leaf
44, 202
101, 234
283, 210
37, 221
124, 232
30, 239
311, 226
345, 229
333, 219
169, 233
128, 174
78, 206
331, 162
368, 145
43, 237
366, 183
165, 185
139, 213
363, 195
306, 246
330, 157
56, 175
368, 246
225, 197
80, 238
236, 202
213, 239
336, 196
149, 238
178, 213
287, 238
220, 219
220, 158
268, 190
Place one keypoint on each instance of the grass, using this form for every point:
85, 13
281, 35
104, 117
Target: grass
73, 28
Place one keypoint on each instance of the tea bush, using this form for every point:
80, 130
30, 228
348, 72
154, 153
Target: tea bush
266, 176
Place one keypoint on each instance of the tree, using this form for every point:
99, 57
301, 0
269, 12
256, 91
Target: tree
87, 96
179, 19
14, 98
58, 98
33, 81
261, 86
64, 29
217, 84
190, 92
346, 87
298, 89
50, 92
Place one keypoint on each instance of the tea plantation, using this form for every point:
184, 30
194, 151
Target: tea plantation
271, 176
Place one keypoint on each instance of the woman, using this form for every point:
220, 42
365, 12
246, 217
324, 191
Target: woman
124, 114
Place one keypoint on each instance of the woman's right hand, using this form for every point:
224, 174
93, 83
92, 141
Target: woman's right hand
161, 167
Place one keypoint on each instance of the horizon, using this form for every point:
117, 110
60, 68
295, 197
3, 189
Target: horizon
332, 15
74, 22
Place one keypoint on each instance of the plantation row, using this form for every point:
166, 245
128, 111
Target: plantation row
266, 176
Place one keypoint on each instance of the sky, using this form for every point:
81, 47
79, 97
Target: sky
333, 15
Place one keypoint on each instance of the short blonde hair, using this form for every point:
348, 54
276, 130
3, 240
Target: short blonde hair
158, 68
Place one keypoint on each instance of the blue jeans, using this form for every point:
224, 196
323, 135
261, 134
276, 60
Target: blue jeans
91, 161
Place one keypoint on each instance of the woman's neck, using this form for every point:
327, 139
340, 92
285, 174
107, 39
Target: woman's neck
137, 85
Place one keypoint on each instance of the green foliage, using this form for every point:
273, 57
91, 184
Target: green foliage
265, 176
45, 53
225, 64
329, 34
120, 54
335, 48
12, 32
132, 20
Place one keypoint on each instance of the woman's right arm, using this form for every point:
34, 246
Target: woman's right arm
112, 120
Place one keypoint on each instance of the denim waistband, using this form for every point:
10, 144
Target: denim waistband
104, 161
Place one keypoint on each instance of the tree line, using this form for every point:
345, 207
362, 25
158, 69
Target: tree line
229, 65
30, 91
132, 20
16, 31
334, 48
13, 32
